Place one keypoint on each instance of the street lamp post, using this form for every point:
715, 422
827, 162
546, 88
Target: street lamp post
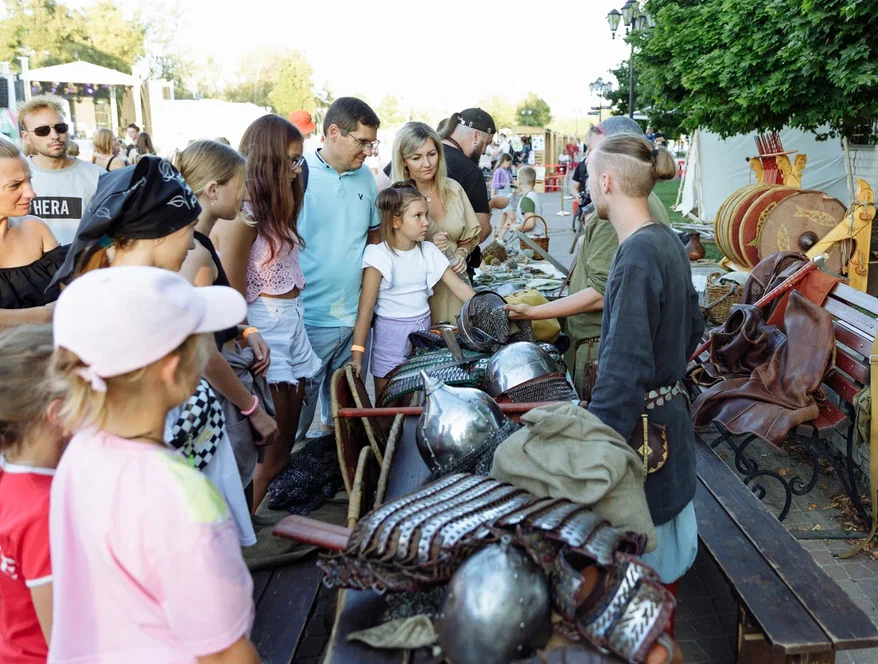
633, 18
601, 89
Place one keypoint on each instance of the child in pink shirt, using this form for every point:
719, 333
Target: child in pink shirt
145, 554
30, 446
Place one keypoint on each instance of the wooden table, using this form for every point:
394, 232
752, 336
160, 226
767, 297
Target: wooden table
361, 609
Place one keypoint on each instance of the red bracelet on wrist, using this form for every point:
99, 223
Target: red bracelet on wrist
253, 408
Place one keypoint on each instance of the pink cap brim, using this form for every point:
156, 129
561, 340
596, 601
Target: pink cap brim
223, 308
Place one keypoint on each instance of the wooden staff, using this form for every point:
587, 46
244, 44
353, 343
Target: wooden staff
786, 285
312, 531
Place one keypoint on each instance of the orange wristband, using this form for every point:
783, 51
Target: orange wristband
358, 349
248, 332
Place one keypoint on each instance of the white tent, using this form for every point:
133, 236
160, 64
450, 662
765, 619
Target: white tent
86, 72
717, 167
176, 122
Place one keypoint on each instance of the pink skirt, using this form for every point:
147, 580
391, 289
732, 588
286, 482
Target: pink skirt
390, 341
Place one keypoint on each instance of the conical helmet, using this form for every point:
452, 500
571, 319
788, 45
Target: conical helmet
516, 364
498, 608
455, 422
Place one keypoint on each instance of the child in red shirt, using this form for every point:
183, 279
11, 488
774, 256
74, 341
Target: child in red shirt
30, 447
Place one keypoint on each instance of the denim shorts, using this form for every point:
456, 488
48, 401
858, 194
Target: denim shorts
280, 323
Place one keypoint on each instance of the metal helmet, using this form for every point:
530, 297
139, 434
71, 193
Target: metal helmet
498, 608
516, 364
482, 322
455, 422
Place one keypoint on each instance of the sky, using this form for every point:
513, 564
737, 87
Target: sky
432, 55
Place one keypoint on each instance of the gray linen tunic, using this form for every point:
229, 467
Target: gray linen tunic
652, 324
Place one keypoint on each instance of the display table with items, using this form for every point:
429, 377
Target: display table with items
446, 510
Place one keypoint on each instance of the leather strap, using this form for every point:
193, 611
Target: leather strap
873, 451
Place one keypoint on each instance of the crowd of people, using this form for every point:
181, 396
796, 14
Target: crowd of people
169, 321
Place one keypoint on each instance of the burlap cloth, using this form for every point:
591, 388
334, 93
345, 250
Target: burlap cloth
564, 451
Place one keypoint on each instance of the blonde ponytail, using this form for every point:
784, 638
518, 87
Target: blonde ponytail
665, 166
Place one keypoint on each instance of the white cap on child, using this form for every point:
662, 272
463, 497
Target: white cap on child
120, 319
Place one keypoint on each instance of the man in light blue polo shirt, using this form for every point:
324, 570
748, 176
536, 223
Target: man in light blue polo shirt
338, 219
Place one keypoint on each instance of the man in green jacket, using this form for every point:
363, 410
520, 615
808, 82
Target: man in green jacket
584, 306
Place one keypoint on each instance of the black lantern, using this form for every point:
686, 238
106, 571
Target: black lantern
614, 18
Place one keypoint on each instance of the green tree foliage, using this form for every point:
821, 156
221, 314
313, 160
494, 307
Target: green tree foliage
735, 67
533, 111
163, 21
294, 88
50, 33
501, 109
256, 76
389, 112
323, 99
668, 121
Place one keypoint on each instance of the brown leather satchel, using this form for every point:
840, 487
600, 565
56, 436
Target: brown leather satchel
652, 446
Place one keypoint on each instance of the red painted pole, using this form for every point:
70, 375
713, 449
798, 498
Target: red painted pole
510, 408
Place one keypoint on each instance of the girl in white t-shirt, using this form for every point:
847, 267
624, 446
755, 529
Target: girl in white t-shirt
398, 278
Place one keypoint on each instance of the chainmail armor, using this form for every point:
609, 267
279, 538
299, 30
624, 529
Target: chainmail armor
546, 388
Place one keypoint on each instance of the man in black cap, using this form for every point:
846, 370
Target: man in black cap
465, 137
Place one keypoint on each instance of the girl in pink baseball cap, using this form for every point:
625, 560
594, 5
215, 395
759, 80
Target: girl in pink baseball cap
145, 554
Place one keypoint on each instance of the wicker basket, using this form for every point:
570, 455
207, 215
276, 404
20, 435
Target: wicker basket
542, 242
720, 297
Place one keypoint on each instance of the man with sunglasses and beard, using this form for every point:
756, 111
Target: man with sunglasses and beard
64, 185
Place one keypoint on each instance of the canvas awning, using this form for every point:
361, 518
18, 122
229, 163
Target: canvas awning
86, 72
80, 72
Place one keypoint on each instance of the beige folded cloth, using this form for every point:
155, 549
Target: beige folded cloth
566, 452
403, 633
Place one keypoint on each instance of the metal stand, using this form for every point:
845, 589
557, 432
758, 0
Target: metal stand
818, 449
562, 212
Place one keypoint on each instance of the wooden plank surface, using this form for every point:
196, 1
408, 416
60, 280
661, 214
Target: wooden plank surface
852, 366
856, 297
786, 623
260, 583
863, 322
846, 625
283, 610
853, 338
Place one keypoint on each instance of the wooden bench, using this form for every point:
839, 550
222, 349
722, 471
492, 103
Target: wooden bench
790, 610
285, 598
855, 318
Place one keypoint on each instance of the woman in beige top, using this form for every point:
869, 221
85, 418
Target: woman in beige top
454, 227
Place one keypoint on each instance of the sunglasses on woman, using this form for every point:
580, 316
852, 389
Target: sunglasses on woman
42, 132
